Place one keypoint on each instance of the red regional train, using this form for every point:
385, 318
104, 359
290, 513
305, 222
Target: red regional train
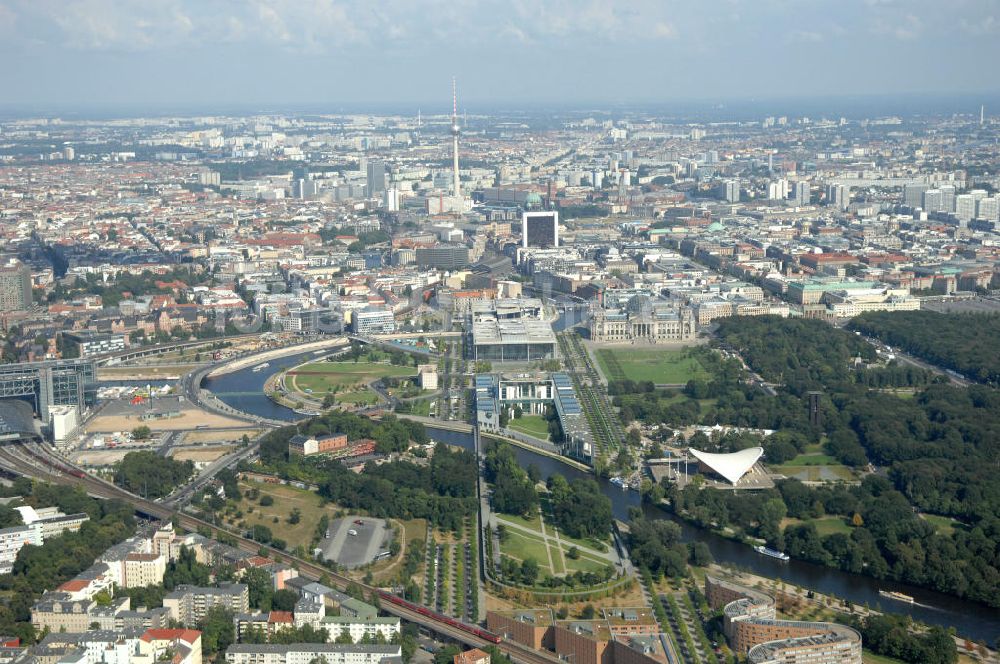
448, 620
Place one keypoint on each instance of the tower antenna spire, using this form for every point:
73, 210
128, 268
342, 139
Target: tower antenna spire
455, 130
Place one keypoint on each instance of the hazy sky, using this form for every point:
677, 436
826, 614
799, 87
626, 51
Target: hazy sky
69, 53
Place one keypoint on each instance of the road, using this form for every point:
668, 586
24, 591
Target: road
904, 358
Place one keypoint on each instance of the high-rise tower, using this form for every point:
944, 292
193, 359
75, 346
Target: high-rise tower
455, 130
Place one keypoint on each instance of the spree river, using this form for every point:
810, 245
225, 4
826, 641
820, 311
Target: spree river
243, 390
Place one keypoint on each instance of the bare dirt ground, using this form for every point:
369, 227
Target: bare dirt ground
209, 436
200, 453
100, 457
189, 419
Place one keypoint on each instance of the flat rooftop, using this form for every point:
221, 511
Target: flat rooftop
509, 332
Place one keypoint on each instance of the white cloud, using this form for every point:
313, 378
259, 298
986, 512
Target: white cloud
805, 37
664, 30
988, 25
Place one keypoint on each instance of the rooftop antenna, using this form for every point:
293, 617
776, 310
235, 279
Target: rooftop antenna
455, 131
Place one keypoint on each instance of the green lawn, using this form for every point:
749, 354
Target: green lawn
824, 526
585, 564
944, 525
420, 407
534, 523
322, 376
659, 366
521, 546
830, 473
813, 460
533, 425
366, 397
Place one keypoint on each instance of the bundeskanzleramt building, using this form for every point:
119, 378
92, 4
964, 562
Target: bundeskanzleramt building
751, 627
511, 331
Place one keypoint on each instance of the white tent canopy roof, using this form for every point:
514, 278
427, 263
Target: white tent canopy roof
732, 466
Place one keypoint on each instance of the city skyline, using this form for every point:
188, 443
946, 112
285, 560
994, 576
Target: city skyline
90, 53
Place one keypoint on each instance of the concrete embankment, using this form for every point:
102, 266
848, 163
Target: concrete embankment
267, 356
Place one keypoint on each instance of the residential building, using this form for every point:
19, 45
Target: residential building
474, 656
305, 653
144, 569
15, 287
189, 604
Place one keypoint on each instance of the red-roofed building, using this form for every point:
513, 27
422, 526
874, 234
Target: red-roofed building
474, 656
266, 624
77, 589
184, 644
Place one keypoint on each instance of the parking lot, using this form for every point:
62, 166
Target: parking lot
354, 540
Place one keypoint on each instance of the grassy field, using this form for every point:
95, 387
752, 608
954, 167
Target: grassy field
824, 526
815, 466
521, 546
534, 523
321, 376
365, 397
286, 498
944, 525
659, 366
813, 460
832, 473
533, 425
421, 407
585, 564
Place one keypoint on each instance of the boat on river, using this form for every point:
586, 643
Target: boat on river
764, 551
899, 597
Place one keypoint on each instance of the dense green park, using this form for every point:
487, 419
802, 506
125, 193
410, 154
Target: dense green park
935, 454
966, 343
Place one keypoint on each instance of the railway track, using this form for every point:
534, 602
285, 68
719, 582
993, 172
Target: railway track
41, 463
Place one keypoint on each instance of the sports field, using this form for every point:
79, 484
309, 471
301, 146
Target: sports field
320, 377
666, 366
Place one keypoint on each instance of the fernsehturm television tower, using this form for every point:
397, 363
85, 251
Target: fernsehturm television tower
455, 131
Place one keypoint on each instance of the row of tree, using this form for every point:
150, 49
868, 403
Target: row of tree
150, 475
966, 343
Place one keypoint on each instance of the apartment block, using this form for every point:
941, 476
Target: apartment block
189, 604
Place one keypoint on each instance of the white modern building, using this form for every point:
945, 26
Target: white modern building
732, 466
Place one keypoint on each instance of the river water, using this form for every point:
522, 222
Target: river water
244, 390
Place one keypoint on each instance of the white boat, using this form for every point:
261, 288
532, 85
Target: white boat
764, 551
261, 367
899, 597
620, 483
